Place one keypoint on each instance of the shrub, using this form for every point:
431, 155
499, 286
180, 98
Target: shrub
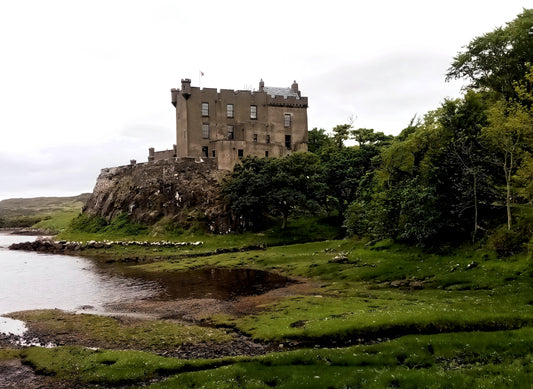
86, 223
507, 242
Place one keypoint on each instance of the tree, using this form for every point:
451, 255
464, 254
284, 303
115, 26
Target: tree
365, 136
341, 133
496, 60
344, 169
245, 188
295, 183
508, 134
463, 165
318, 140
278, 186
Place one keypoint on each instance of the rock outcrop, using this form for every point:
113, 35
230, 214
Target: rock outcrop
186, 190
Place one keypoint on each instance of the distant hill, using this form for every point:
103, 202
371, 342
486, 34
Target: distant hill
10, 208
51, 214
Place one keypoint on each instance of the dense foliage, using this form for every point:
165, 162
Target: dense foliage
462, 172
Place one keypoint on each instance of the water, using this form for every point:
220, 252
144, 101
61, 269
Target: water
218, 283
30, 280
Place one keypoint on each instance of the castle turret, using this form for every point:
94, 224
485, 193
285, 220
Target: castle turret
294, 88
261, 85
186, 87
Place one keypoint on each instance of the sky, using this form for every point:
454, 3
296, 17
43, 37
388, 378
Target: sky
85, 85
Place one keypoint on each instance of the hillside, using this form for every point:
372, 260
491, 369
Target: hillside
50, 213
40, 205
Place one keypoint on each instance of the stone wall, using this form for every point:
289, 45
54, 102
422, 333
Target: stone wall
184, 189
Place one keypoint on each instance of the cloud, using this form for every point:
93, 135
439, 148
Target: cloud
381, 92
63, 171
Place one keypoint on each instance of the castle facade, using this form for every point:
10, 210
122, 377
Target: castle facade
227, 125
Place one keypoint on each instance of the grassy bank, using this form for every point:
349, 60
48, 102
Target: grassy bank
479, 359
118, 333
380, 315
368, 293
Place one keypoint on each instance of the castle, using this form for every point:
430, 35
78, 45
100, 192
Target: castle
228, 125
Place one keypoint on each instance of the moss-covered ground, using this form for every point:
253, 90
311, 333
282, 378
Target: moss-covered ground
377, 316
457, 360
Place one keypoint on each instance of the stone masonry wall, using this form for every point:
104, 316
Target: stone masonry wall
184, 189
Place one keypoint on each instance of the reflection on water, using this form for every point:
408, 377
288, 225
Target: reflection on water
218, 283
30, 280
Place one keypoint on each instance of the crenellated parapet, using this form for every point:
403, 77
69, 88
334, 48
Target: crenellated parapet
287, 101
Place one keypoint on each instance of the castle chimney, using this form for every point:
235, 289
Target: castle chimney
294, 87
261, 85
186, 87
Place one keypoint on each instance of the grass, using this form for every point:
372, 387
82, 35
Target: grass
6, 354
356, 298
479, 359
85, 229
438, 361
57, 221
110, 367
102, 331
433, 307
46, 213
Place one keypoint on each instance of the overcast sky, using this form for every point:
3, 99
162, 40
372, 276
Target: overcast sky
86, 84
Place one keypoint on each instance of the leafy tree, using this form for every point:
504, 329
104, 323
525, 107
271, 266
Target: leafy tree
463, 167
341, 133
295, 182
245, 189
344, 171
318, 140
277, 186
365, 136
508, 134
496, 60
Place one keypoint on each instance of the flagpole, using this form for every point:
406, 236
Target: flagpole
200, 78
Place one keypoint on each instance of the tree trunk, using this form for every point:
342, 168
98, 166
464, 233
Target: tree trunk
474, 175
284, 222
508, 170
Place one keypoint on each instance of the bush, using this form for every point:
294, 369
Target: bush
122, 224
507, 242
85, 223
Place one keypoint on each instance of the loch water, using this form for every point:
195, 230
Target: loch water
31, 280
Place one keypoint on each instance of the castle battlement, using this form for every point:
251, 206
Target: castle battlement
226, 125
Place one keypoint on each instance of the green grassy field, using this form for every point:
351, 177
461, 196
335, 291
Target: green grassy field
464, 318
375, 315
458, 360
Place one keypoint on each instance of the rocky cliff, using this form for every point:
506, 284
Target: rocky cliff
184, 190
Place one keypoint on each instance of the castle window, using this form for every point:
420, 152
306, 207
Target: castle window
288, 142
214, 153
266, 153
240, 153
205, 109
205, 131
231, 132
253, 111
229, 110
255, 137
268, 138
205, 151
287, 120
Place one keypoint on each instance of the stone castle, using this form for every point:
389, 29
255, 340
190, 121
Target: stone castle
228, 125
214, 129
